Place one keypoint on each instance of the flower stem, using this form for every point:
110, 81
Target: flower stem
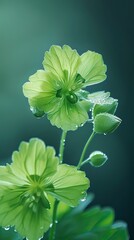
56, 203
62, 145
53, 228
84, 150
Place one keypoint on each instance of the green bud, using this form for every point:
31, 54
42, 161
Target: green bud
97, 159
106, 123
108, 106
96, 97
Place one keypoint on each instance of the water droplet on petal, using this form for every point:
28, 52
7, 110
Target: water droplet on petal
31, 205
36, 112
7, 228
51, 225
83, 199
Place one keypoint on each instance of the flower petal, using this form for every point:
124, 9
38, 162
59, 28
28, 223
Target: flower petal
92, 68
69, 184
40, 83
34, 158
41, 91
60, 61
69, 116
29, 224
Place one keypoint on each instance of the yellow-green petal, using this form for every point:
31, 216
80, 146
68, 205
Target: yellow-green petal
69, 116
92, 68
69, 185
62, 62
27, 223
34, 158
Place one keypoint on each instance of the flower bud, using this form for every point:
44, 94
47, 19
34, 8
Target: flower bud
107, 106
97, 159
106, 123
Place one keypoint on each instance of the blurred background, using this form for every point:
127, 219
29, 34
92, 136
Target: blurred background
27, 29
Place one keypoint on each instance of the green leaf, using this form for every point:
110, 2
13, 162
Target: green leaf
109, 106
93, 224
106, 123
92, 68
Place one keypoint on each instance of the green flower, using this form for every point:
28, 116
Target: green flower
57, 90
26, 184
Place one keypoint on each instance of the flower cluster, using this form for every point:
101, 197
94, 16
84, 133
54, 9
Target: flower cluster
58, 90
26, 184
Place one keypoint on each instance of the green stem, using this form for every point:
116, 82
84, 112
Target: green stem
84, 162
62, 145
56, 203
53, 228
84, 150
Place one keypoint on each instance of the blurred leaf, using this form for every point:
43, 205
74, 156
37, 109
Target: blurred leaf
81, 207
92, 224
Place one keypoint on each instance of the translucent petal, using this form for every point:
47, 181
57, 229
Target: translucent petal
92, 68
27, 223
34, 158
62, 62
69, 116
69, 184
40, 84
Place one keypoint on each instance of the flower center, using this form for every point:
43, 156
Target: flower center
69, 95
72, 97
34, 196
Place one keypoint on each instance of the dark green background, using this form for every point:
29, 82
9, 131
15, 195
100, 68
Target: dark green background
27, 29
